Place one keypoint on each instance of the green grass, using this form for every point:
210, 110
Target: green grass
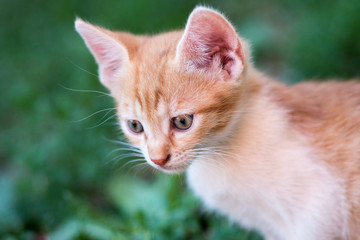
55, 176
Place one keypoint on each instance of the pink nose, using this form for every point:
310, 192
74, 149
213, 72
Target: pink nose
161, 162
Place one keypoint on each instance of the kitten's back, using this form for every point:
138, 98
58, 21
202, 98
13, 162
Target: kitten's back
328, 114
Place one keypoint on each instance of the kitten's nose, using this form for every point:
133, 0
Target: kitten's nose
162, 161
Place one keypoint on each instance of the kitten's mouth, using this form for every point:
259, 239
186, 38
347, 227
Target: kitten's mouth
173, 169
178, 164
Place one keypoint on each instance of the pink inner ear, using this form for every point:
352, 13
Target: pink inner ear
108, 56
210, 42
102, 52
106, 59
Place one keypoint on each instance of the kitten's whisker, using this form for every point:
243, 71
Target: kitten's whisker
83, 69
85, 90
134, 161
122, 142
140, 167
129, 146
103, 110
219, 164
123, 156
123, 149
218, 147
226, 154
127, 155
200, 154
106, 115
102, 122
210, 151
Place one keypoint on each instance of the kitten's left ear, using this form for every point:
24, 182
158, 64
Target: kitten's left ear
210, 43
110, 55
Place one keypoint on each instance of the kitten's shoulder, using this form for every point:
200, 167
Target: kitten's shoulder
334, 91
328, 113
317, 100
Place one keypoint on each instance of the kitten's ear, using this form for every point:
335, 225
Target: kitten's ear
210, 43
111, 56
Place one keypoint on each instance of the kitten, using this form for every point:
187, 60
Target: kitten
283, 160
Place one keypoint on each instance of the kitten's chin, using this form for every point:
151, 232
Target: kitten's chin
171, 169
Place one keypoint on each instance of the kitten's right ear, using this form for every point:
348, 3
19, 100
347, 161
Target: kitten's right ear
110, 55
211, 44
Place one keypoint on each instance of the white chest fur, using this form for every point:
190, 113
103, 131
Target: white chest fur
279, 189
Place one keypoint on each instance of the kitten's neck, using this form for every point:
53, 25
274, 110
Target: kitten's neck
254, 88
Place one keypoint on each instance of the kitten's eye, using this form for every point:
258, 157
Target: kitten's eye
135, 126
183, 122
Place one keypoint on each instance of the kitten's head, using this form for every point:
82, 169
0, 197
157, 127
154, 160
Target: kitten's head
176, 92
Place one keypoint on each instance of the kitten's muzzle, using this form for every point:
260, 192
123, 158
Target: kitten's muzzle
161, 162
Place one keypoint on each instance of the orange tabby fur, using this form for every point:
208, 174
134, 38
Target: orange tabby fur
289, 163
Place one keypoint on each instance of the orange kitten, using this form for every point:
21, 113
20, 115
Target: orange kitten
283, 160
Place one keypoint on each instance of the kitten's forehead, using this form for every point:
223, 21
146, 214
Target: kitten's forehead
158, 89
152, 92
157, 49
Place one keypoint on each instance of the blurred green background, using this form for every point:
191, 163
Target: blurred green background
57, 178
